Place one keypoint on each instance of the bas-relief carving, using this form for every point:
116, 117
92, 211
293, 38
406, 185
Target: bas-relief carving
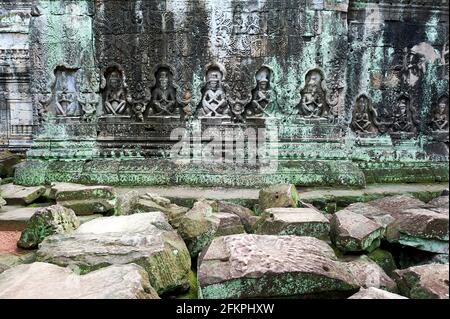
64, 101
164, 94
439, 116
89, 103
214, 99
364, 118
313, 101
404, 120
263, 95
114, 91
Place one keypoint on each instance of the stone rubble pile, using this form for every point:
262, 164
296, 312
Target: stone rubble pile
146, 246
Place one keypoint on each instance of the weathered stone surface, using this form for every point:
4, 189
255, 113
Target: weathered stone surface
85, 200
424, 282
294, 221
154, 202
284, 195
47, 221
229, 224
260, 266
384, 259
441, 202
247, 216
145, 239
46, 281
2, 202
408, 221
8, 260
20, 195
368, 274
420, 228
398, 203
378, 215
201, 224
354, 232
375, 293
17, 218
127, 202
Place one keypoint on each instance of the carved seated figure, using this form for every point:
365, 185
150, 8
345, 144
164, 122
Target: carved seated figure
440, 116
313, 102
403, 120
261, 97
67, 104
214, 102
115, 98
163, 96
364, 118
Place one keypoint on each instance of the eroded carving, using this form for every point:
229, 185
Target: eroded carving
89, 102
115, 93
439, 121
214, 101
164, 94
364, 118
65, 95
263, 96
403, 117
313, 103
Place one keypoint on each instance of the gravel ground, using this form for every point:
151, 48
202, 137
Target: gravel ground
8, 240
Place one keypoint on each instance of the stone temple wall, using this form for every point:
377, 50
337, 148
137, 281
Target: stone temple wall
16, 110
352, 91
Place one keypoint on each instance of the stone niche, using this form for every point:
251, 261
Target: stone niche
332, 92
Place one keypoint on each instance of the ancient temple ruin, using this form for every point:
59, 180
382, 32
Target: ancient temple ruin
331, 92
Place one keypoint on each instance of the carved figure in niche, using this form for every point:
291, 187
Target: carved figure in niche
164, 97
65, 99
214, 101
364, 119
115, 98
403, 117
262, 96
313, 102
439, 120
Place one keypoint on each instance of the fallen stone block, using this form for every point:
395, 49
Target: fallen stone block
375, 293
46, 281
85, 200
283, 195
153, 202
47, 221
294, 221
16, 219
267, 266
20, 195
145, 239
200, 225
424, 282
352, 232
